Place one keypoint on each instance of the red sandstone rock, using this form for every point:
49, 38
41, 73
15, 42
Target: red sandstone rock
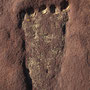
75, 69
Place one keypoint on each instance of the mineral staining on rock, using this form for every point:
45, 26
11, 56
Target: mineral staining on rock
44, 45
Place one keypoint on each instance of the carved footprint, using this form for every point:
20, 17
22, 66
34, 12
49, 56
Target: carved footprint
45, 39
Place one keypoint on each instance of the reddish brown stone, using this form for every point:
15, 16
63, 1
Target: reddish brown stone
75, 69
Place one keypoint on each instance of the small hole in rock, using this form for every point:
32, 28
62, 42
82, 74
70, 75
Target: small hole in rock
42, 7
64, 4
46, 70
30, 10
52, 8
8, 34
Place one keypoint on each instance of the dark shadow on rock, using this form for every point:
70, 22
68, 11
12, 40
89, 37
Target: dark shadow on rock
64, 29
52, 8
28, 80
30, 10
23, 45
64, 4
21, 18
42, 7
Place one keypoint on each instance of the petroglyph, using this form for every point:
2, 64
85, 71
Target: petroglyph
44, 44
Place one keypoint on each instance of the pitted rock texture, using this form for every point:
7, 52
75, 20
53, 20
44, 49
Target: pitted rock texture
75, 71
44, 37
13, 72
75, 68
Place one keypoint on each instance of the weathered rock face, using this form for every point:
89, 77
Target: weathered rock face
75, 70
13, 45
32, 48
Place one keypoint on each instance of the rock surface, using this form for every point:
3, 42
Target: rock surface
74, 71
